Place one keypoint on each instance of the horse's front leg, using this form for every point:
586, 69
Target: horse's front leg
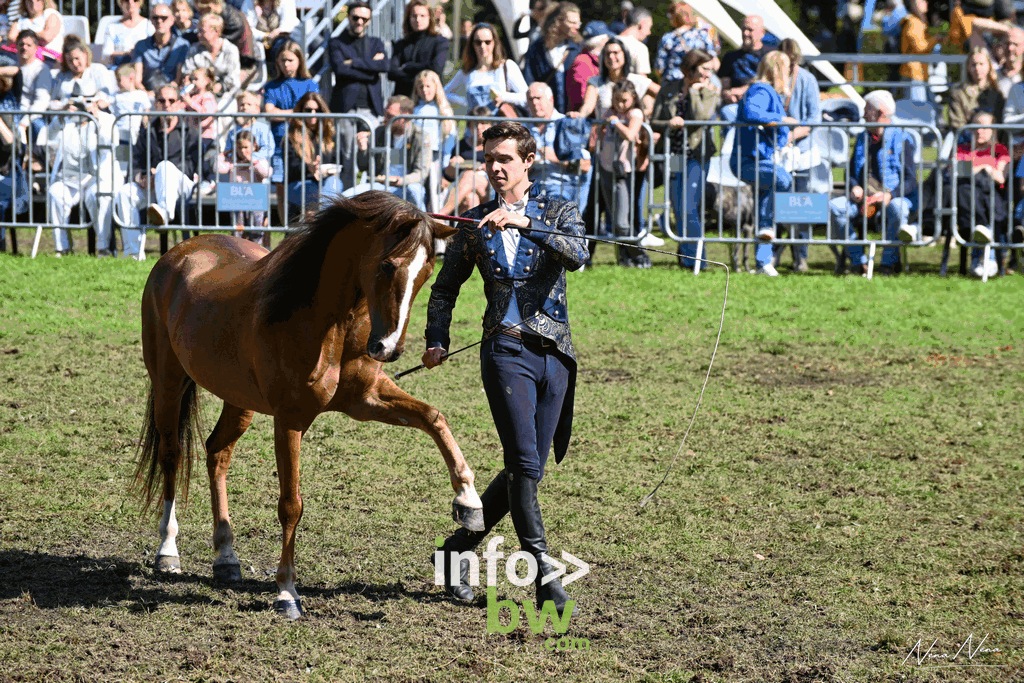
387, 403
287, 439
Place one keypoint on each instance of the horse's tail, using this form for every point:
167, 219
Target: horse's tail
150, 473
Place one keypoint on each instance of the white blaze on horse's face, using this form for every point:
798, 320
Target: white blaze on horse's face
385, 345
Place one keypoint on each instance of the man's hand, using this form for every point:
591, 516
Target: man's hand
857, 193
501, 219
434, 356
363, 140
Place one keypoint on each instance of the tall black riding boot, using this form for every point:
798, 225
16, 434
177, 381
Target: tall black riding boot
495, 502
525, 513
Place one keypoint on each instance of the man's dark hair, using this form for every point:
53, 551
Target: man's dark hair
510, 130
404, 102
28, 33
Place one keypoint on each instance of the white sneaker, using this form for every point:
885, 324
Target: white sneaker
982, 234
156, 215
991, 267
649, 240
207, 187
766, 234
907, 233
767, 269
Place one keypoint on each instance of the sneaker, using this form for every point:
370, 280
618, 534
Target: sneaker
766, 234
768, 269
207, 187
982, 234
801, 266
649, 240
907, 233
156, 215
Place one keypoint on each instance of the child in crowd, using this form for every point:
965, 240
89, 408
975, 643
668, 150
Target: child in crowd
249, 104
198, 97
128, 105
244, 165
617, 158
280, 97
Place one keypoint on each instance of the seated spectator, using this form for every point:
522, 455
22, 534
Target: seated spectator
753, 153
42, 18
127, 105
79, 76
1011, 67
158, 57
804, 105
914, 40
634, 37
979, 90
7, 19
614, 69
470, 188
882, 172
242, 165
693, 98
280, 97
689, 32
587, 63
311, 144
557, 171
272, 24
420, 48
487, 77
165, 168
123, 35
981, 195
617, 158
553, 53
248, 104
214, 51
235, 28
82, 175
36, 83
409, 159
739, 67
185, 26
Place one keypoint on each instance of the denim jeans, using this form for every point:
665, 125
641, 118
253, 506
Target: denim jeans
844, 212
767, 178
686, 202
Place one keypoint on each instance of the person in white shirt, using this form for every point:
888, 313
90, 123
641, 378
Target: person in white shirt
487, 77
635, 37
37, 83
122, 35
42, 17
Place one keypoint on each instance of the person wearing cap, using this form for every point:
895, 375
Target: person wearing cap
689, 32
882, 176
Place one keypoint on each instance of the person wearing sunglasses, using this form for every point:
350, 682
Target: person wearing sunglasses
421, 48
158, 57
487, 78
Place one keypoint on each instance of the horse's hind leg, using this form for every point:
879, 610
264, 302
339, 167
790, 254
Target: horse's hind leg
232, 424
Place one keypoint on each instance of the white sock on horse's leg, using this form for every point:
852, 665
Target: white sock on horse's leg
167, 559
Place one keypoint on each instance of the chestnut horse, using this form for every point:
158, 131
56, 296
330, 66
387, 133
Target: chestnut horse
291, 333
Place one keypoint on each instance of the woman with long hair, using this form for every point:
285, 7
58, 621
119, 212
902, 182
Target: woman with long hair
274, 22
311, 146
420, 48
914, 40
615, 68
77, 71
763, 108
124, 34
431, 101
487, 78
978, 90
550, 56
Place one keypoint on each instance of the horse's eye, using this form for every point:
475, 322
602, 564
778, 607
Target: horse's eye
388, 268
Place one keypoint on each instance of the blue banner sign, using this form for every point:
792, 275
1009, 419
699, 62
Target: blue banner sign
801, 207
243, 197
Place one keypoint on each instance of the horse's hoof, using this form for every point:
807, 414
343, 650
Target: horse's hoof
471, 518
167, 564
228, 573
290, 609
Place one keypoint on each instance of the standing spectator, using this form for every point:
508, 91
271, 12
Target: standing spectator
563, 173
739, 67
165, 168
617, 159
634, 37
1012, 66
486, 77
42, 18
279, 99
79, 76
158, 57
754, 151
803, 104
614, 69
420, 48
443, 29
274, 21
357, 61
36, 83
883, 160
184, 21
619, 25
914, 41
587, 63
529, 25
431, 101
694, 98
550, 55
409, 159
214, 51
979, 90
689, 32
123, 35
982, 207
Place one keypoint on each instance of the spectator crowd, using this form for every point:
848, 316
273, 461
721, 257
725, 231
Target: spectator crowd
600, 101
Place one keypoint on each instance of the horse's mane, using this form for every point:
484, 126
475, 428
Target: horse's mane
292, 273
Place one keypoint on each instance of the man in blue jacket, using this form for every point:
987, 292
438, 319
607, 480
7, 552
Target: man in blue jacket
882, 172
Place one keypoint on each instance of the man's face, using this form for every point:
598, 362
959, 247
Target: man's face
397, 125
644, 28
162, 19
505, 169
540, 104
358, 20
753, 32
1015, 48
571, 24
167, 100
873, 114
208, 35
27, 50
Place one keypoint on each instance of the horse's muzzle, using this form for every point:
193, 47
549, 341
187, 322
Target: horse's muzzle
376, 350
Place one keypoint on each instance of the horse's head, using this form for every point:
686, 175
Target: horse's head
392, 275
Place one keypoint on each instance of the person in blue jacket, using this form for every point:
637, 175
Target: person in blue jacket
753, 152
550, 56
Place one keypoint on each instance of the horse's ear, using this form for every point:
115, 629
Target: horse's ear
443, 230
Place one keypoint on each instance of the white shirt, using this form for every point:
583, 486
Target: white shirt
514, 90
639, 55
510, 239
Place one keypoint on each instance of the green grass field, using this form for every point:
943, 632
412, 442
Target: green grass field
851, 487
